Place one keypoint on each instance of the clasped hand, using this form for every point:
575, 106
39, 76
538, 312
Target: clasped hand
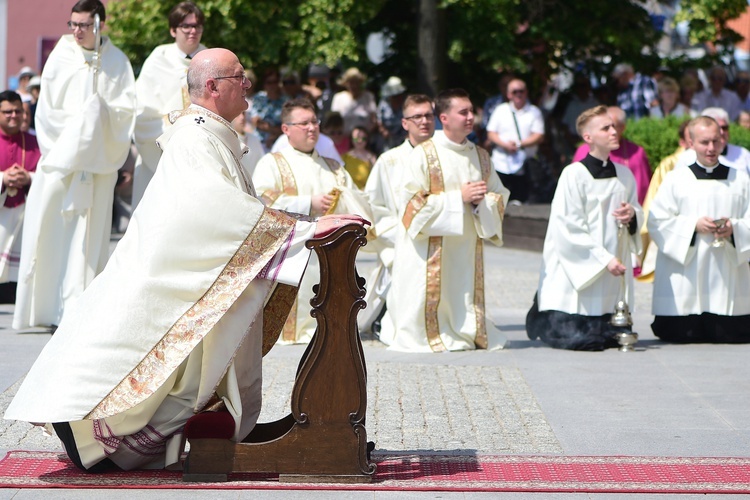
16, 177
706, 225
625, 213
473, 192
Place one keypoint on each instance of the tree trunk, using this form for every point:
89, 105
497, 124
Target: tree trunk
431, 50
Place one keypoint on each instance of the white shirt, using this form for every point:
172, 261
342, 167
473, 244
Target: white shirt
530, 121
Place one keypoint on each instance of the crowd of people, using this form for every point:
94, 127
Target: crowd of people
229, 184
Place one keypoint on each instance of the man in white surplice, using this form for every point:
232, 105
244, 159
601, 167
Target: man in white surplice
383, 192
582, 268
700, 221
175, 323
297, 179
84, 134
451, 203
162, 87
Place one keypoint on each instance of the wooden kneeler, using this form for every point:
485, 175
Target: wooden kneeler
323, 439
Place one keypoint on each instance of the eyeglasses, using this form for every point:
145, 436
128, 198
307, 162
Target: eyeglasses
186, 28
314, 123
11, 112
419, 118
80, 26
743, 80
518, 91
243, 78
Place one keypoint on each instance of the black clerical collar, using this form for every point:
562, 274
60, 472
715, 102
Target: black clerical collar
599, 169
719, 172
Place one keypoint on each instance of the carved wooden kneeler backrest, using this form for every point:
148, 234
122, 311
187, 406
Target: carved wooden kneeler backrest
323, 439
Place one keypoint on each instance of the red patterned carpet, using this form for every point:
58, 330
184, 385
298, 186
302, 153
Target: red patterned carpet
28, 469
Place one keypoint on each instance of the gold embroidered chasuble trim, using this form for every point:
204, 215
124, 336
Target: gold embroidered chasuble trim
272, 229
434, 253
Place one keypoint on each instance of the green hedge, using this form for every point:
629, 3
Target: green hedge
659, 136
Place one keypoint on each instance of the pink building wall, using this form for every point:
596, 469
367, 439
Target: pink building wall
28, 23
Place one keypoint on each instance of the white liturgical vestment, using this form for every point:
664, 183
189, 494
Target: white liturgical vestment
436, 299
383, 192
287, 180
176, 319
582, 238
692, 276
161, 88
84, 138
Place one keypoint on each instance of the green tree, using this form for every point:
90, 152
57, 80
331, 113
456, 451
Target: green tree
708, 20
463, 42
261, 32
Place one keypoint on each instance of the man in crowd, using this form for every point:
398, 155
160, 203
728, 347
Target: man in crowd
700, 221
636, 93
516, 128
382, 190
162, 87
297, 179
84, 134
628, 154
19, 154
592, 230
716, 96
742, 88
451, 203
731, 155
177, 317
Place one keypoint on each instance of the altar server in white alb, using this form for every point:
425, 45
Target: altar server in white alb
175, 324
452, 203
582, 267
383, 192
162, 88
700, 220
297, 179
84, 134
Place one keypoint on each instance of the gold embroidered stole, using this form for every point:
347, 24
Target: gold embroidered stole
289, 187
288, 184
338, 173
